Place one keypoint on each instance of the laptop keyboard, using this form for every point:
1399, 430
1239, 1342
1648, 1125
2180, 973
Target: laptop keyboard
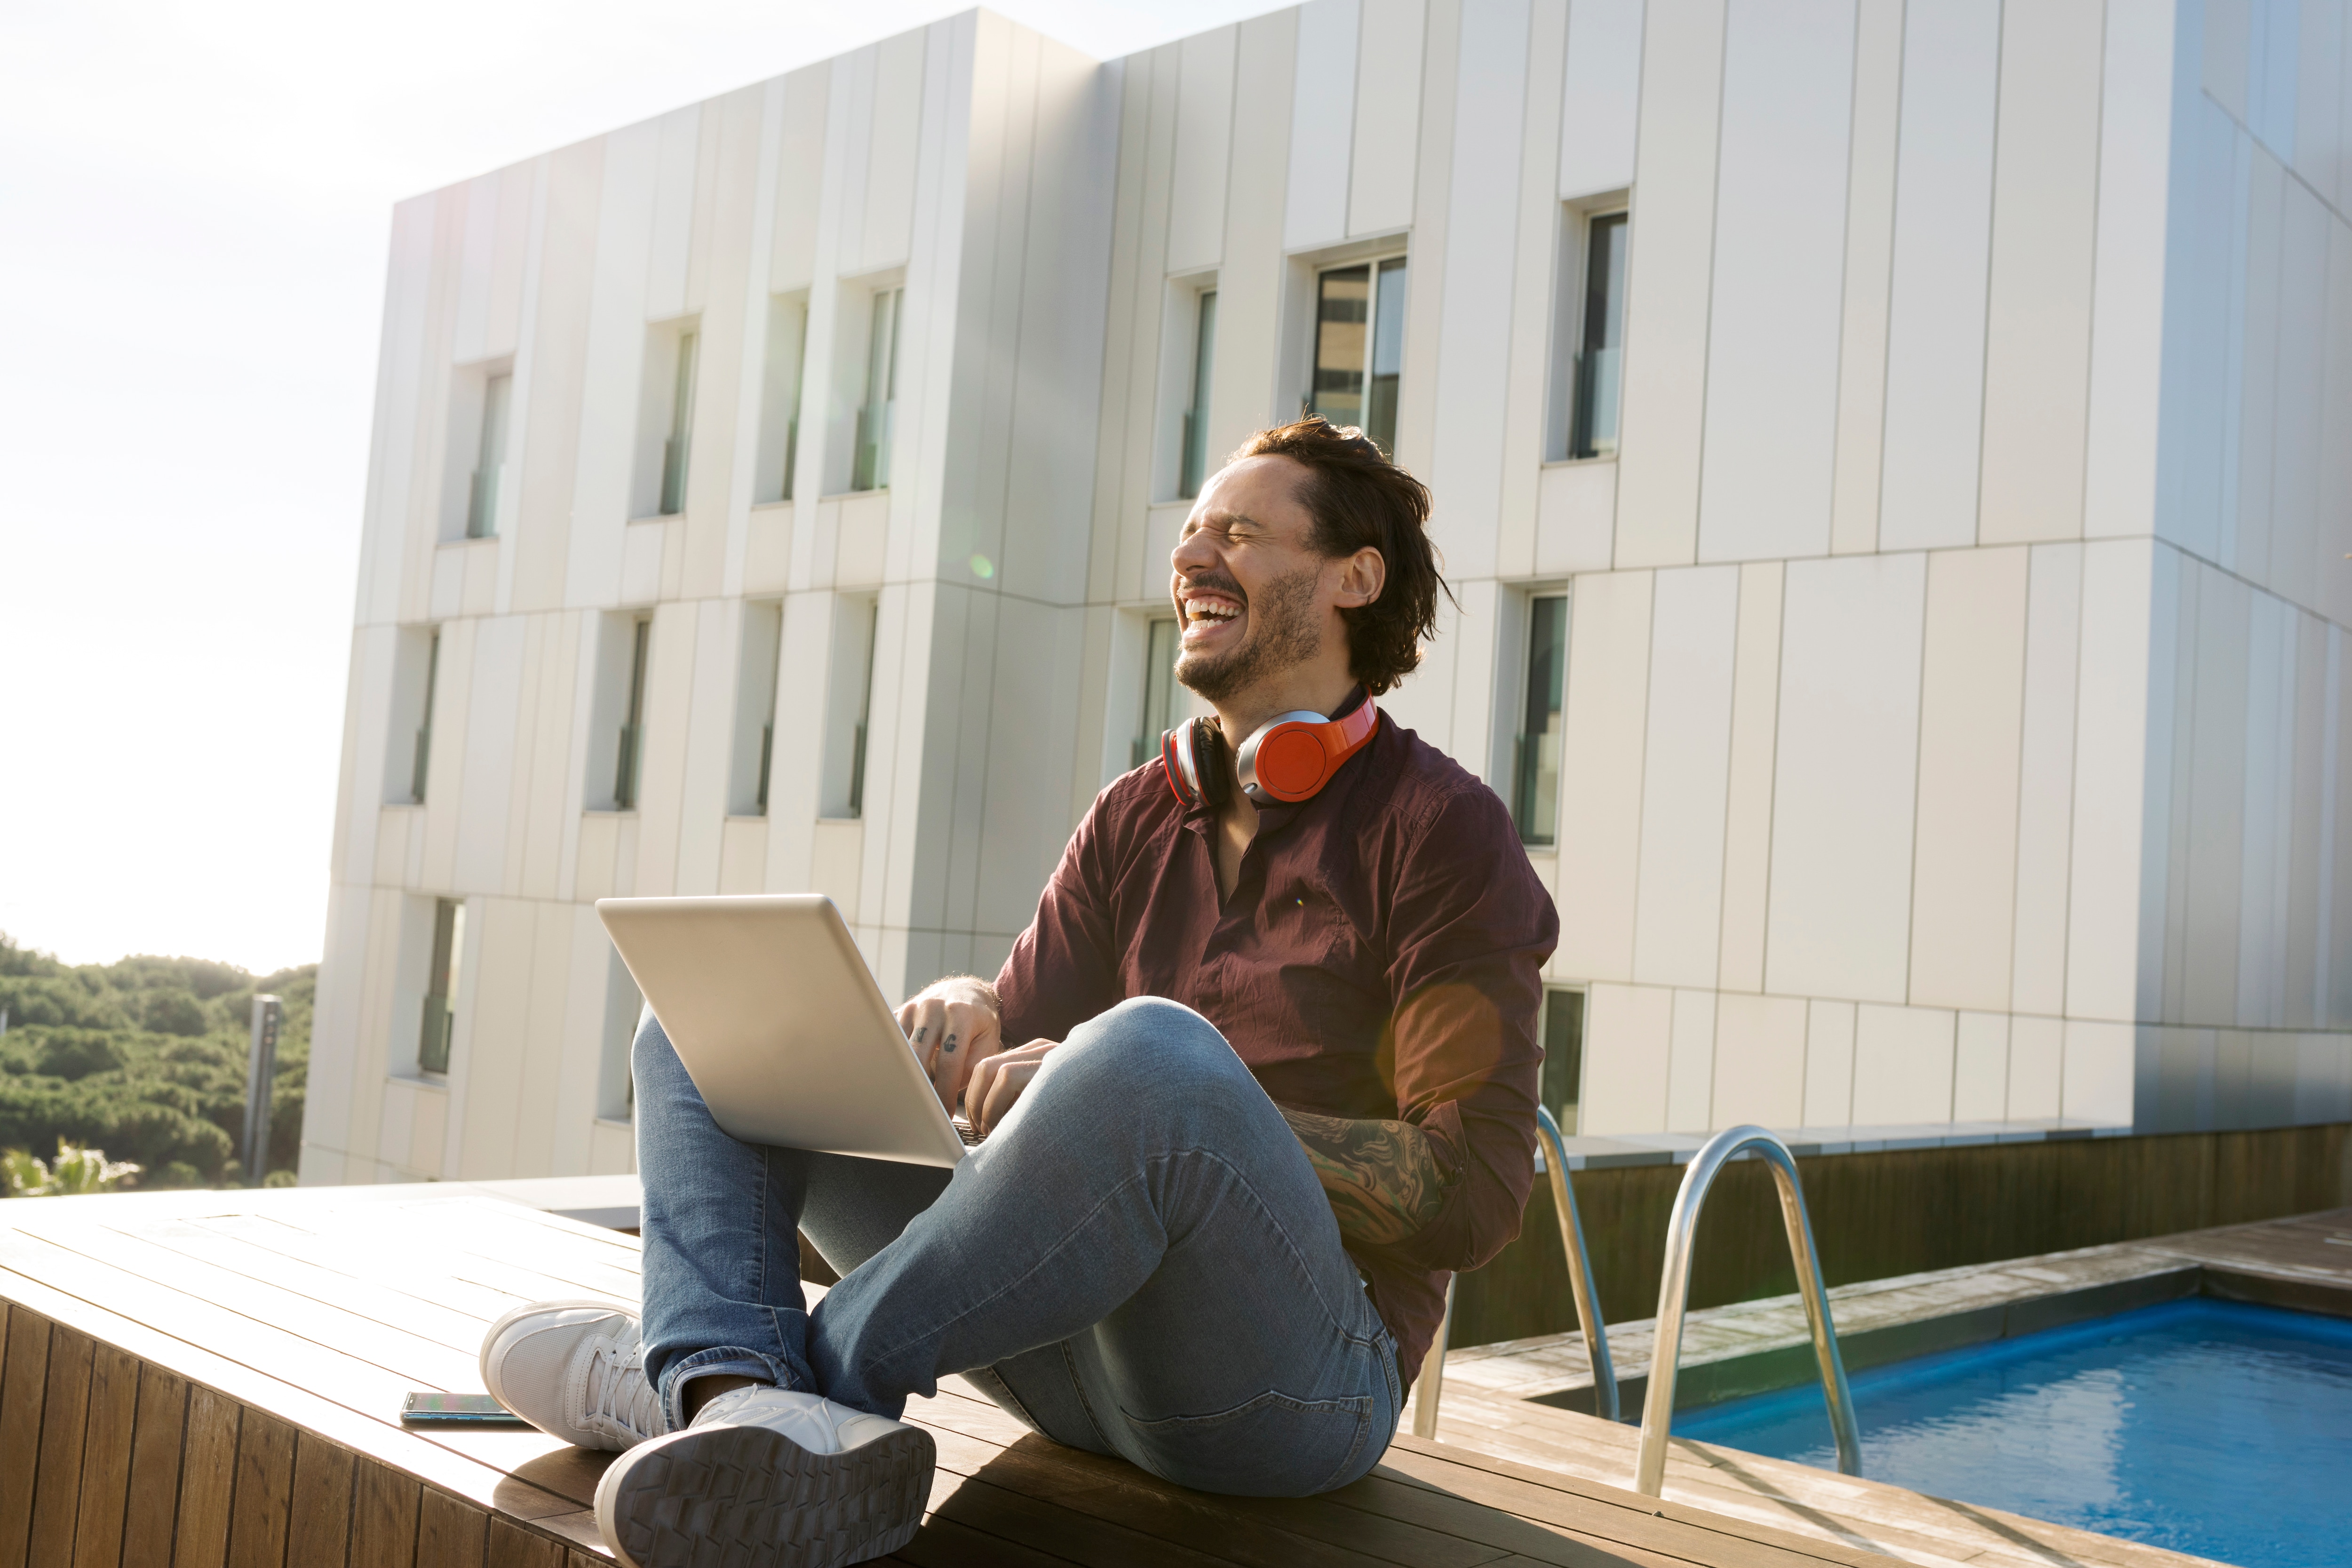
965, 1130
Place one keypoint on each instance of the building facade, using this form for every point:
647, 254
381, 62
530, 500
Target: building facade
1894, 461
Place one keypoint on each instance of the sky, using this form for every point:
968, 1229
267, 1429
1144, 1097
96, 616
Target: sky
194, 207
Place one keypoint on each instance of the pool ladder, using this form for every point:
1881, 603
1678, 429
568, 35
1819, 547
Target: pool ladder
1674, 1301
1432, 1386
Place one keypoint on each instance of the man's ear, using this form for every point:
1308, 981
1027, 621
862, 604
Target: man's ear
1362, 577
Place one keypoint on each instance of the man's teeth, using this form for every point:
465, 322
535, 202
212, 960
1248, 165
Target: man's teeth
1201, 612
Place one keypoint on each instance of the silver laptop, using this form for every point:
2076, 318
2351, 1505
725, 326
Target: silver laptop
780, 1025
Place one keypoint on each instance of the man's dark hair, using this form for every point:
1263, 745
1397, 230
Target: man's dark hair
1357, 497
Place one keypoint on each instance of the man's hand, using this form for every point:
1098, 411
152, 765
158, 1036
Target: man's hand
1381, 1177
997, 1081
952, 1024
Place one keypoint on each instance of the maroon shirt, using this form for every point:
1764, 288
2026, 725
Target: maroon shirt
1379, 958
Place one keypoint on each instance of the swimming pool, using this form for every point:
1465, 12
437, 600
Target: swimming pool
2198, 1426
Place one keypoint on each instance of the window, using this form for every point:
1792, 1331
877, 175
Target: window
1535, 753
482, 497
629, 753
871, 467
1596, 313
755, 709
1360, 346
616, 1089
849, 701
1563, 1063
1193, 464
674, 447
424, 727
780, 416
408, 750
1158, 691
441, 985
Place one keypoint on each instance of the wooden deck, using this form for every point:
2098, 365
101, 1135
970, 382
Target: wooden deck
214, 1379
210, 1379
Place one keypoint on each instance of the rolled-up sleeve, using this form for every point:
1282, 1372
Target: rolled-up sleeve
1471, 928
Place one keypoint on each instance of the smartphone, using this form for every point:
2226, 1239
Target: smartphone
426, 1408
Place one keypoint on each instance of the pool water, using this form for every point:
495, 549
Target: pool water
2198, 1426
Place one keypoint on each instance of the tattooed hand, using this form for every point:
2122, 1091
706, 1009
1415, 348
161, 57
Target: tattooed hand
952, 1024
1381, 1177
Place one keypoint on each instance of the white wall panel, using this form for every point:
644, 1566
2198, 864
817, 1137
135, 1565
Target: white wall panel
1629, 1041
1843, 794
2298, 562
1322, 124
1474, 343
2038, 320
2098, 1072
2046, 790
1690, 1070
1902, 1065
1980, 1067
2249, 552
1869, 273
889, 211
1748, 816
1829, 1063
615, 351
1780, 242
1760, 1062
1678, 918
2037, 1050
1204, 117
2110, 770
2268, 763
1382, 164
1668, 283
493, 700
1964, 880
1601, 798
1935, 324
1602, 100
2130, 322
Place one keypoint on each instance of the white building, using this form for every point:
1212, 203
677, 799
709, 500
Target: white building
1895, 460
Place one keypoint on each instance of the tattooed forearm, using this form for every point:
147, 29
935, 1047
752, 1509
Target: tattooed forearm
1381, 1177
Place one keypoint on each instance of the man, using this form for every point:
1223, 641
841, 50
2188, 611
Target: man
1256, 1077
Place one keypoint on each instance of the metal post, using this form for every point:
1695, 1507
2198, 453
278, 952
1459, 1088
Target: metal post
260, 1073
1580, 1268
1674, 1300
1430, 1384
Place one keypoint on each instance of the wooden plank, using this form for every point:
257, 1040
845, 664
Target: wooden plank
944, 1543
169, 1321
384, 1516
207, 1479
106, 1457
407, 1358
449, 1532
263, 1510
510, 1546
24, 1382
157, 1436
319, 1529
65, 1417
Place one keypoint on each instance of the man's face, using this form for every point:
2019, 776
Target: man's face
1253, 599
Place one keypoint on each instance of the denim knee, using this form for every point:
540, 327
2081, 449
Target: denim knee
1147, 1049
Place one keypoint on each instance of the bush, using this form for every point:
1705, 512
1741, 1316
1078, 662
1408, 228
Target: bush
146, 1059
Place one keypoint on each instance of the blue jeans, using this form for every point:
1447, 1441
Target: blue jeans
1138, 1262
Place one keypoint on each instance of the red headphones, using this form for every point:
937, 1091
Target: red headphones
1290, 757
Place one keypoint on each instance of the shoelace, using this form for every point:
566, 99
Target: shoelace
618, 1391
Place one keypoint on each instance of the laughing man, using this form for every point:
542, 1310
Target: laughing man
1258, 1077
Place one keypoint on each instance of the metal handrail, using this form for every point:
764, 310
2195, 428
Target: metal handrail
1579, 1270
1674, 1300
1432, 1385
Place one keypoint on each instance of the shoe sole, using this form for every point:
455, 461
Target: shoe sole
748, 1498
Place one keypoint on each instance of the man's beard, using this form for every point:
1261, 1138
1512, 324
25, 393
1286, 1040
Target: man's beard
1282, 634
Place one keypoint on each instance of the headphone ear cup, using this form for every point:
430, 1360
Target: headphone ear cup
1175, 767
1210, 765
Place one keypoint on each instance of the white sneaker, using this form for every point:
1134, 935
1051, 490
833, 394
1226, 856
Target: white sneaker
765, 1477
575, 1369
